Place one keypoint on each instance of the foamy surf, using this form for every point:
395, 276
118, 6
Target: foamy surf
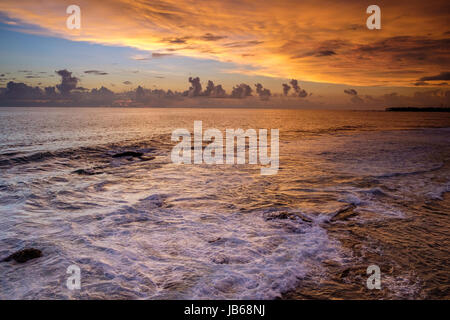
141, 227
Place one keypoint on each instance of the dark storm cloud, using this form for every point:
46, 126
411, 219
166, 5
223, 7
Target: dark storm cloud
441, 76
298, 92
102, 93
69, 93
209, 88
68, 82
286, 89
66, 93
50, 91
96, 72
351, 92
20, 90
241, 91
263, 93
294, 84
196, 87
214, 91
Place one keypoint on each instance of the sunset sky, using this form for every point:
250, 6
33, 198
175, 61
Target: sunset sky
160, 43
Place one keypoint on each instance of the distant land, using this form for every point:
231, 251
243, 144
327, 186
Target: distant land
419, 109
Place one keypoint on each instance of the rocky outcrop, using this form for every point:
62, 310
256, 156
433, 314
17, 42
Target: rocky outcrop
24, 255
128, 154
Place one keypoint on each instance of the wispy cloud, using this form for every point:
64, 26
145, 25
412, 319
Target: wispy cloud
157, 55
96, 72
153, 55
322, 41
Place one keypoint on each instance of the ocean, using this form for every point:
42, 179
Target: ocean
354, 189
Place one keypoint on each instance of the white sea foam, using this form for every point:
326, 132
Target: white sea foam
151, 229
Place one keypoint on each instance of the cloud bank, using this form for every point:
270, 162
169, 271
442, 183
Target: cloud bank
68, 93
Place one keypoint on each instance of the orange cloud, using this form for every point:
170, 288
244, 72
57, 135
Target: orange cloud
323, 41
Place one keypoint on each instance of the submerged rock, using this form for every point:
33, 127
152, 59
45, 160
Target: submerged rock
345, 273
287, 215
280, 215
128, 154
24, 255
221, 260
85, 172
215, 240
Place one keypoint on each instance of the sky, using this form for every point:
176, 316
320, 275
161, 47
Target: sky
323, 44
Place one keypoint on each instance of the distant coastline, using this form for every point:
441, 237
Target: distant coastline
418, 109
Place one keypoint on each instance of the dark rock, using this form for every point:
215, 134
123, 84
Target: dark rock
287, 215
345, 273
215, 240
280, 215
83, 172
221, 260
24, 255
128, 154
